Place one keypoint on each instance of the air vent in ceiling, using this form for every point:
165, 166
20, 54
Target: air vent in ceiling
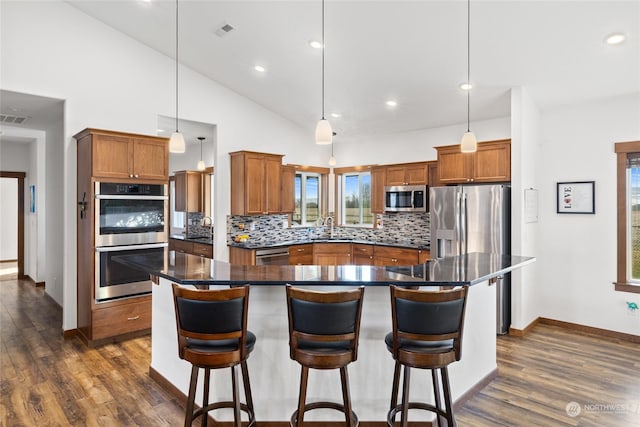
224, 29
11, 119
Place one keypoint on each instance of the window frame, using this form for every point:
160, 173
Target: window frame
303, 205
623, 282
340, 174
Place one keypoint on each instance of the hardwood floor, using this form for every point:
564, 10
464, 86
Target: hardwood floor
46, 380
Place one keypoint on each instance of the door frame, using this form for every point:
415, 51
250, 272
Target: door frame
20, 177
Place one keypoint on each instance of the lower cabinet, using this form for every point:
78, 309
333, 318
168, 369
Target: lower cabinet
301, 254
121, 317
332, 254
389, 256
362, 254
242, 256
191, 248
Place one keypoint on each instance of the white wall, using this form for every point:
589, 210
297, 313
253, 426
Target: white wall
577, 256
8, 219
110, 81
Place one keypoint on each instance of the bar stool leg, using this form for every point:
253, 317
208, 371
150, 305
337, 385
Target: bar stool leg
436, 394
236, 396
346, 396
192, 396
447, 396
247, 386
302, 397
205, 396
404, 419
394, 388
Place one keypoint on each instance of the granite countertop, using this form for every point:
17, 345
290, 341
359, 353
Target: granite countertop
204, 240
187, 269
395, 243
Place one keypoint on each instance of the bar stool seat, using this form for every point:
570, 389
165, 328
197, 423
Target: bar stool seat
323, 334
427, 334
212, 334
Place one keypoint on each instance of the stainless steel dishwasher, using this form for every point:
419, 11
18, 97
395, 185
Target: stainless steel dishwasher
273, 256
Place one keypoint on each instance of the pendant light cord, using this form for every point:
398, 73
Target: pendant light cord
176, 65
323, 60
468, 61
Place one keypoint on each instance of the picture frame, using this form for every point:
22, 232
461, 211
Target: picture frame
577, 197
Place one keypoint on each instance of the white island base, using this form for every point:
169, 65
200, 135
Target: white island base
275, 377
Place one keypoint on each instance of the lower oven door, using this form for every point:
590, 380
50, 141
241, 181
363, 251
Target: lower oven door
115, 278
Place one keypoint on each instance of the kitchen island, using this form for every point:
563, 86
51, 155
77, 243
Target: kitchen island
275, 378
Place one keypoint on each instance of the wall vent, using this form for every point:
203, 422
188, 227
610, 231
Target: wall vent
224, 29
11, 119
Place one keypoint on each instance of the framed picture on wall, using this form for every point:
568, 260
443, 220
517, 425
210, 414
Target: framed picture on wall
576, 197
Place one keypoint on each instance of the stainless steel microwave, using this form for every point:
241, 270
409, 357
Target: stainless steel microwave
406, 198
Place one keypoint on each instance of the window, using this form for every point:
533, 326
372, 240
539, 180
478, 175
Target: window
307, 198
628, 228
355, 200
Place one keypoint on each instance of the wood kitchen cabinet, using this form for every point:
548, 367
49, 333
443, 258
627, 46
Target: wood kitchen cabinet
378, 177
491, 163
287, 197
188, 191
332, 254
432, 172
119, 156
255, 183
362, 254
407, 174
192, 248
301, 254
389, 256
242, 256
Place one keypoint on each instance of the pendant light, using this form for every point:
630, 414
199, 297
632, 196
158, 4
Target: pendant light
332, 159
324, 133
176, 142
201, 165
468, 143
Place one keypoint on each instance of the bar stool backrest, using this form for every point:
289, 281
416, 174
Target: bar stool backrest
324, 317
428, 316
212, 315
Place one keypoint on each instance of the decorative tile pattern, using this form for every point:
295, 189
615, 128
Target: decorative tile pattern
195, 227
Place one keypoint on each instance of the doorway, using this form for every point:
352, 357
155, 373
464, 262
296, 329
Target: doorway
19, 176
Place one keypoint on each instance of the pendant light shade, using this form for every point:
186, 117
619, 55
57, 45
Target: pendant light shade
176, 142
201, 165
324, 133
469, 144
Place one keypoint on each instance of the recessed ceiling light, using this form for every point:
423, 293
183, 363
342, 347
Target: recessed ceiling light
615, 38
259, 68
315, 44
392, 103
466, 86
336, 115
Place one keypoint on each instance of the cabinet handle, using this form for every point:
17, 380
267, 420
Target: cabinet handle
130, 175
137, 176
133, 318
300, 250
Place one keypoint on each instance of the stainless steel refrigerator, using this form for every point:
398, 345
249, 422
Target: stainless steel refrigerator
474, 218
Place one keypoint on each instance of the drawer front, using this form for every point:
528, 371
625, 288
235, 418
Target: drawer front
120, 319
332, 248
304, 259
182, 246
202, 250
362, 250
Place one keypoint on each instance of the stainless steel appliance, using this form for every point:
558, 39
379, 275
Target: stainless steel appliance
130, 214
406, 198
475, 218
272, 256
115, 278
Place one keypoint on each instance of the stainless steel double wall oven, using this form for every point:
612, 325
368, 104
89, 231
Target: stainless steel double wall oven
130, 219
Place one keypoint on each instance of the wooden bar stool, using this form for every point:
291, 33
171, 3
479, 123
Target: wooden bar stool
212, 334
427, 334
323, 334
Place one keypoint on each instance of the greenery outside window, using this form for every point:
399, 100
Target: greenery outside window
628, 227
355, 200
308, 199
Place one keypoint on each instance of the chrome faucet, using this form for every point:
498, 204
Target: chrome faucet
209, 220
331, 220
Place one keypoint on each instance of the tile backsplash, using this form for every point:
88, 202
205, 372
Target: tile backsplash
401, 227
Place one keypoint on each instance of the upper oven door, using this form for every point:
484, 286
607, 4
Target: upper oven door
130, 219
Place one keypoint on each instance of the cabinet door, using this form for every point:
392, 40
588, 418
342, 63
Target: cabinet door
287, 196
416, 174
273, 178
493, 162
433, 179
150, 159
377, 189
362, 254
454, 167
111, 156
254, 185
395, 175
301, 254
188, 192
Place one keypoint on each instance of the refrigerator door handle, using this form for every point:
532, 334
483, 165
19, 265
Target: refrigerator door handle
463, 223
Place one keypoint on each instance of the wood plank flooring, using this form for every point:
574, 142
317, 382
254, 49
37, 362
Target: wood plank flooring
46, 380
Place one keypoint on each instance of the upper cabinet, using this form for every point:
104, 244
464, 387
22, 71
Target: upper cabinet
188, 191
407, 174
491, 163
122, 156
256, 183
288, 202
378, 177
